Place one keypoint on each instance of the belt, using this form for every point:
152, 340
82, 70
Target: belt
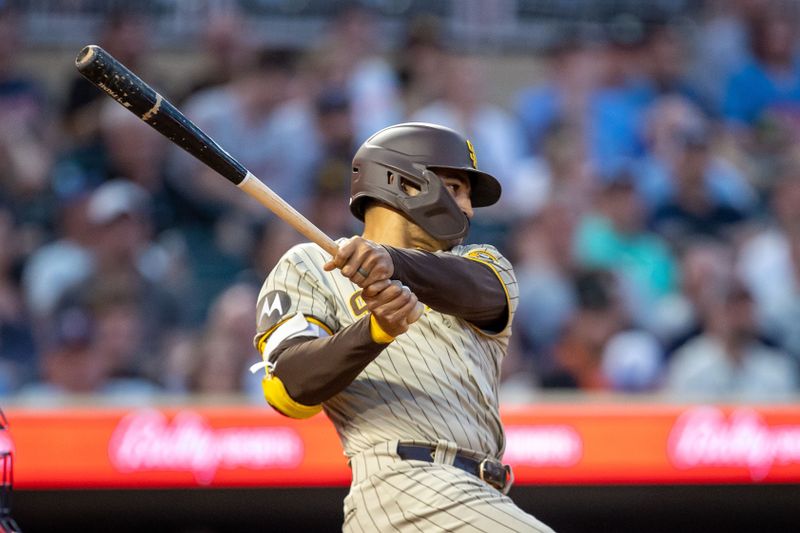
492, 472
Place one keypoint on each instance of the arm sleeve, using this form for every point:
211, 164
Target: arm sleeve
309, 364
315, 369
474, 283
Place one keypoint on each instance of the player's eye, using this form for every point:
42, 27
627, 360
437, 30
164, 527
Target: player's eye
453, 186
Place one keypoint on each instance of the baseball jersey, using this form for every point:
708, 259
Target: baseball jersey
439, 380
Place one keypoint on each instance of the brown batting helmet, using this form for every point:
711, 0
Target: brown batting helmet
410, 155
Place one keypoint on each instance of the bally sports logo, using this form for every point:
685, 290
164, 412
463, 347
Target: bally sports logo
706, 437
543, 445
145, 440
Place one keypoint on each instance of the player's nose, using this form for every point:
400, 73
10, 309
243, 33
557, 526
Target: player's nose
466, 207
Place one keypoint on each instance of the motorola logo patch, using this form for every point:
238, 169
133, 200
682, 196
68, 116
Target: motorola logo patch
276, 304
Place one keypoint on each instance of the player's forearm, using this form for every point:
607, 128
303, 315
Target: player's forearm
314, 370
452, 285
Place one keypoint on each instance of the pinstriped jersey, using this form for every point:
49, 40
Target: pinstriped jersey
439, 380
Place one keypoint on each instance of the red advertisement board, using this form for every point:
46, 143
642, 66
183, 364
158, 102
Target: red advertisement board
252, 446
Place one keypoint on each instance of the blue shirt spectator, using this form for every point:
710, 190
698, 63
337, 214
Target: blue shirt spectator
771, 80
755, 90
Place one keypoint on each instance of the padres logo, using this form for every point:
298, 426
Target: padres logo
472, 156
357, 304
482, 255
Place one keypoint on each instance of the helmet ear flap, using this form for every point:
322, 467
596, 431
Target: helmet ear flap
434, 210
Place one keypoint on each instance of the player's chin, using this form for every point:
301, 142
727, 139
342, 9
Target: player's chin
451, 243
456, 242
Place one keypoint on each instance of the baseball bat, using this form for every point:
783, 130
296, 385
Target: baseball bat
116, 80
111, 76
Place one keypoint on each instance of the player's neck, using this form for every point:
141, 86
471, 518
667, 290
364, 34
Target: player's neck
388, 226
388, 234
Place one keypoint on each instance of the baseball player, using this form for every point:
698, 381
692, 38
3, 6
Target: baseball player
413, 396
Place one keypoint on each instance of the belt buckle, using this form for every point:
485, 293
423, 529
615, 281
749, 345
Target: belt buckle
498, 475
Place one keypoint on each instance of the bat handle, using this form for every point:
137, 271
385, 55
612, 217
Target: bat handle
267, 197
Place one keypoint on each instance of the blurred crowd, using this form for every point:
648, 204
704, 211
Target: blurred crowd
651, 203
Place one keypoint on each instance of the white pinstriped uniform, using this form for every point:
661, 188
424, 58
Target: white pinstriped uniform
437, 383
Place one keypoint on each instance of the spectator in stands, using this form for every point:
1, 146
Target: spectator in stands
769, 263
121, 327
26, 137
706, 268
18, 354
129, 149
422, 57
272, 128
729, 360
331, 175
666, 63
227, 50
561, 169
614, 236
599, 315
768, 86
544, 264
465, 106
617, 107
68, 365
127, 270
74, 362
562, 96
349, 57
217, 366
675, 129
633, 361
225, 350
230, 316
329, 209
63, 262
138, 153
696, 208
126, 35
720, 46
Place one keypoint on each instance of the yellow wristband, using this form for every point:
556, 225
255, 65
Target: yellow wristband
378, 335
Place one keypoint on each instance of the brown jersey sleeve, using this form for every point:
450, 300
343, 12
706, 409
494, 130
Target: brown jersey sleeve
315, 369
453, 285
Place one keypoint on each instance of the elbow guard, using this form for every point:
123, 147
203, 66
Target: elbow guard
276, 395
274, 390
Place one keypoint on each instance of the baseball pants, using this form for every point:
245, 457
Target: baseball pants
392, 494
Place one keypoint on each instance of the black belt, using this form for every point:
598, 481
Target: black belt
492, 472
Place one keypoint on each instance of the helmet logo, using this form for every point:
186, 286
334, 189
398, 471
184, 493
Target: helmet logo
472, 156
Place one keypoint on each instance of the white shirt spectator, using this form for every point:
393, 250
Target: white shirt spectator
281, 148
703, 368
766, 267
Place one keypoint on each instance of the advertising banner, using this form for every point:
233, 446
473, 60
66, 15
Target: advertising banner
183, 447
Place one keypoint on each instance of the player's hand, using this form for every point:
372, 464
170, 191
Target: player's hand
393, 305
362, 261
